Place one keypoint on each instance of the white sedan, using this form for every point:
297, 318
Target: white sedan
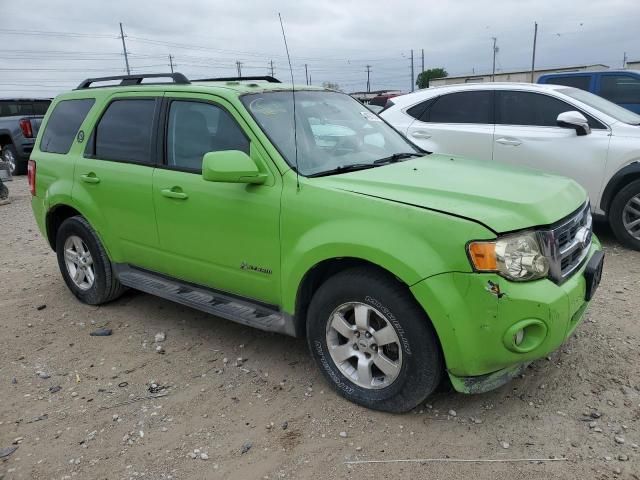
552, 128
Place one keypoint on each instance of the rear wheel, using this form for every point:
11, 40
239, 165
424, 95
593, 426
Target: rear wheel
624, 215
16, 166
372, 342
84, 263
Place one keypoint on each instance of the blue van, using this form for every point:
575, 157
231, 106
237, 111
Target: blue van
618, 86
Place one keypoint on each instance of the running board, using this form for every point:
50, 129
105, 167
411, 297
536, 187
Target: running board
223, 305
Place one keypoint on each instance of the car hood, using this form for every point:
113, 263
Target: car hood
500, 197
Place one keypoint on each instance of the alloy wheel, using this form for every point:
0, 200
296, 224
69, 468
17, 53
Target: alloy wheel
631, 217
364, 345
10, 158
79, 262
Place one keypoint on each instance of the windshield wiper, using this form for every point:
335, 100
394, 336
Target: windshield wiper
396, 157
343, 169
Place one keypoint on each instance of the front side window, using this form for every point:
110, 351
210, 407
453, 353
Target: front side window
528, 108
124, 132
622, 89
333, 131
63, 125
461, 107
196, 128
576, 81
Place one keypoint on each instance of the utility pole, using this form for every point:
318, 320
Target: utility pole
171, 62
533, 56
413, 83
124, 49
306, 74
368, 82
239, 67
422, 70
493, 70
271, 67
624, 60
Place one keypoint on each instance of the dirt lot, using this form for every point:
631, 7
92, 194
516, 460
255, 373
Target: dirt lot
231, 389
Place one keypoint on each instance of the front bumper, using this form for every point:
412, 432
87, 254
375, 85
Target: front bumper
473, 321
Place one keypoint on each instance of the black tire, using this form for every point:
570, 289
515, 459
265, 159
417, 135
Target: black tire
4, 191
10, 155
106, 286
616, 213
421, 365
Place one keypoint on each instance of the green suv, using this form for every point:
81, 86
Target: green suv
397, 265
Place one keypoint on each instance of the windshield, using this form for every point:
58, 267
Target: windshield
334, 131
605, 106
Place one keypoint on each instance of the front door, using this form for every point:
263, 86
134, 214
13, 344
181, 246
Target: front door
222, 235
113, 178
527, 134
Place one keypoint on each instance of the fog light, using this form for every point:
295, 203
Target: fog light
518, 337
525, 335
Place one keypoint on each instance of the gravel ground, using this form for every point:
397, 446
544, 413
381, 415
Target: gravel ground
232, 402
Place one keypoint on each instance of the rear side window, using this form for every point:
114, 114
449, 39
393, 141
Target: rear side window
461, 107
620, 88
124, 132
63, 125
576, 81
9, 108
420, 111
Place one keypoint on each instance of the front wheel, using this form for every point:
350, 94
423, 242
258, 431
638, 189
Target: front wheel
84, 263
624, 215
372, 342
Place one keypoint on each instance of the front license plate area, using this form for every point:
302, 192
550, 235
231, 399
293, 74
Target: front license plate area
593, 274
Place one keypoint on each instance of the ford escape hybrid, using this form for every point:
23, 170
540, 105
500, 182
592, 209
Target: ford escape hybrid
398, 266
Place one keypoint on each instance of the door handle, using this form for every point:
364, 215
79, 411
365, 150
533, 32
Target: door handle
420, 134
508, 141
174, 192
90, 178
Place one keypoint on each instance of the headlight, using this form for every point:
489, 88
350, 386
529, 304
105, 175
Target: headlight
516, 257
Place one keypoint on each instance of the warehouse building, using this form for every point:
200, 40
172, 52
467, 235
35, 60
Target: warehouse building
517, 76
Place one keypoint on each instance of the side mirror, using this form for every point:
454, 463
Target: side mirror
231, 166
575, 120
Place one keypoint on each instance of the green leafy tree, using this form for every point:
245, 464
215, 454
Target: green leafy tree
424, 77
331, 85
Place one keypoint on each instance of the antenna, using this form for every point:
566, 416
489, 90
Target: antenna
293, 94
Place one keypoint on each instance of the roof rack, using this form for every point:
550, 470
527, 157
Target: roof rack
266, 78
177, 78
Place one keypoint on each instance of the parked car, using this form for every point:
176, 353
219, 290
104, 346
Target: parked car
552, 128
19, 124
618, 86
398, 267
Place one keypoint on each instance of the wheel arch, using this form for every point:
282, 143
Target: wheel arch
322, 271
617, 182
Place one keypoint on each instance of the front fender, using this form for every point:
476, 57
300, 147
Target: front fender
409, 242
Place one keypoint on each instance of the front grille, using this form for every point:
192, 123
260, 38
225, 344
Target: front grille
567, 243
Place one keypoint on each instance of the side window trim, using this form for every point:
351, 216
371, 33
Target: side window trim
90, 149
573, 107
163, 130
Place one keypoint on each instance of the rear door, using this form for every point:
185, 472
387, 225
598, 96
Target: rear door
459, 123
222, 235
113, 178
527, 134
620, 88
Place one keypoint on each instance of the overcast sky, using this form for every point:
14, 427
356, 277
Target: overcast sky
49, 46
